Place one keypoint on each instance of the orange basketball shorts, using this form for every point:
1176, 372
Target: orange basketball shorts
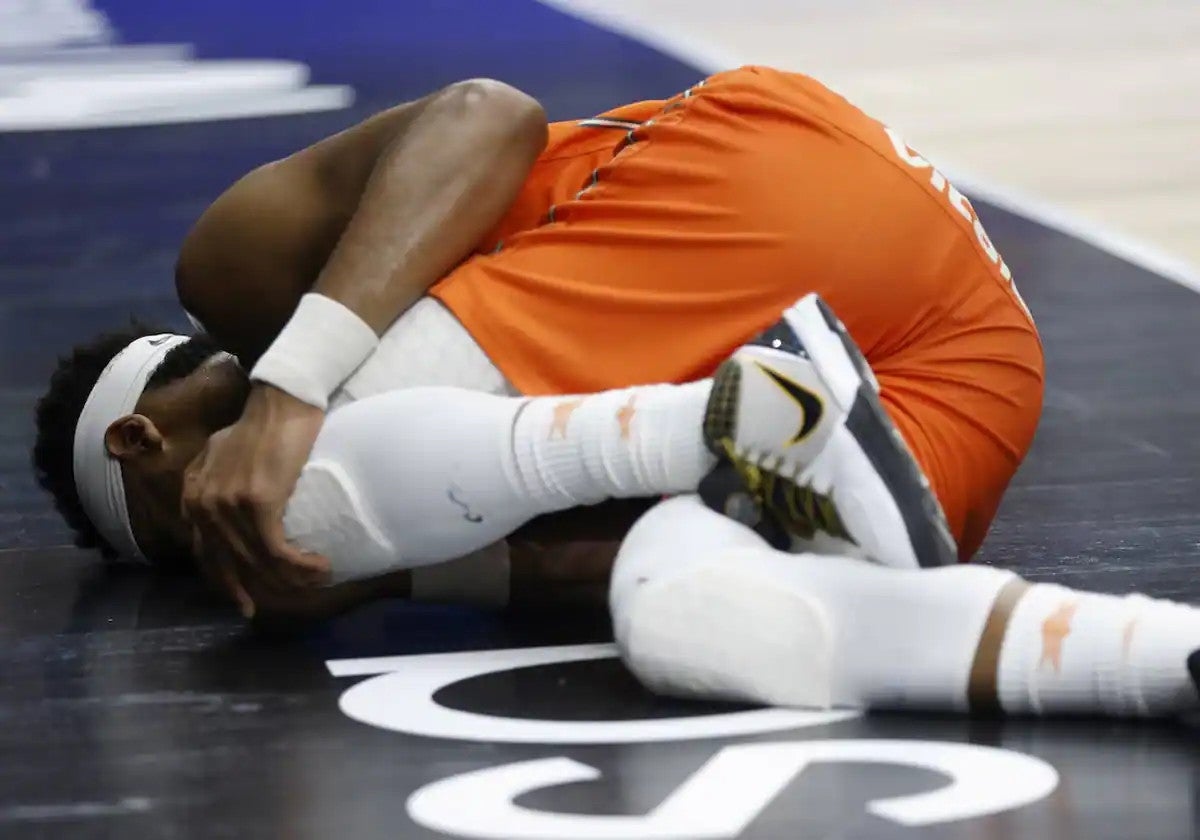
676, 240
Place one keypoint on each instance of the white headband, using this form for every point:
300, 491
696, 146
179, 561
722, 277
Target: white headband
97, 473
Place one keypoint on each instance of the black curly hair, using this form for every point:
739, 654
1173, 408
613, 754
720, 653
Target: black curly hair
59, 409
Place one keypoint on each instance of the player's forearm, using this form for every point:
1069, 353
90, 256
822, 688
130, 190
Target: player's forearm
433, 194
523, 578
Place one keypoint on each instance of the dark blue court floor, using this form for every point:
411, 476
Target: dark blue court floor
134, 707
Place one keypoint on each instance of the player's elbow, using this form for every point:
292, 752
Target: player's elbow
512, 115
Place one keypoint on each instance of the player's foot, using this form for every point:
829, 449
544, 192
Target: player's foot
796, 412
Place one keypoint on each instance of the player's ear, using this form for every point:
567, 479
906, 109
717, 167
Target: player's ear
131, 436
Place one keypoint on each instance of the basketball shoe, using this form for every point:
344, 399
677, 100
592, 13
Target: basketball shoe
809, 457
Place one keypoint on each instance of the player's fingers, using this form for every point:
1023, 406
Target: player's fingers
226, 531
256, 559
204, 507
241, 596
223, 535
221, 571
227, 537
190, 495
303, 568
261, 520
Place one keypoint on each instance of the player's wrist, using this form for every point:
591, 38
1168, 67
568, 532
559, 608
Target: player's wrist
322, 344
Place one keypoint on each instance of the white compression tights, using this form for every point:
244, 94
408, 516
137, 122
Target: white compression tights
415, 477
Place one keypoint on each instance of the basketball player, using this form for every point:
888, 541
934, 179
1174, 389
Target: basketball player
641, 246
702, 606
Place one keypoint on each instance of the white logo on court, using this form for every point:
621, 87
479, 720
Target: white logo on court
733, 787
719, 800
401, 699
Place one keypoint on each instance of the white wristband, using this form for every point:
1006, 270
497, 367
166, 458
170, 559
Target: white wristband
318, 349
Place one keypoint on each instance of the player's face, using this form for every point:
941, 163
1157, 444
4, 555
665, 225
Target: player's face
185, 412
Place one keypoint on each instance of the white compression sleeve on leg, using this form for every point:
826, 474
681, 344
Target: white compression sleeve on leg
702, 607
414, 477
409, 478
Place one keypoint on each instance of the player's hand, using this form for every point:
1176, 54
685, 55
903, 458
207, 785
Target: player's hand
236, 489
284, 610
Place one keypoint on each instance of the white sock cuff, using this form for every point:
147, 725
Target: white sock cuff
583, 449
1082, 652
1156, 642
1054, 630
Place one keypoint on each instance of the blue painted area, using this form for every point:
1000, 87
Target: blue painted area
392, 49
97, 215
90, 221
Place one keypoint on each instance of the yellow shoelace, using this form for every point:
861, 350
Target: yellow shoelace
802, 510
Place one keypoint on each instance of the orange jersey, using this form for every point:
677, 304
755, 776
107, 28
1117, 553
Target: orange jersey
648, 243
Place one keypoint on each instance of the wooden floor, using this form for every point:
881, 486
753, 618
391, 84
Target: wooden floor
136, 707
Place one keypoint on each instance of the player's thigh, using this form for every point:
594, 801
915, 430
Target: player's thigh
967, 401
751, 184
708, 221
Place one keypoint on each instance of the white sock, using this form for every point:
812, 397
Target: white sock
702, 607
1080, 652
644, 441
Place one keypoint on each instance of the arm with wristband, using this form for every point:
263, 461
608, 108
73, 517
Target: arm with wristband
434, 189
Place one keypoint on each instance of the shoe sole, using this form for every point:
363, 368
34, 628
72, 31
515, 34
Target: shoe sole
924, 522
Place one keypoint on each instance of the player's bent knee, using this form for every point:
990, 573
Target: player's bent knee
724, 630
690, 604
674, 534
